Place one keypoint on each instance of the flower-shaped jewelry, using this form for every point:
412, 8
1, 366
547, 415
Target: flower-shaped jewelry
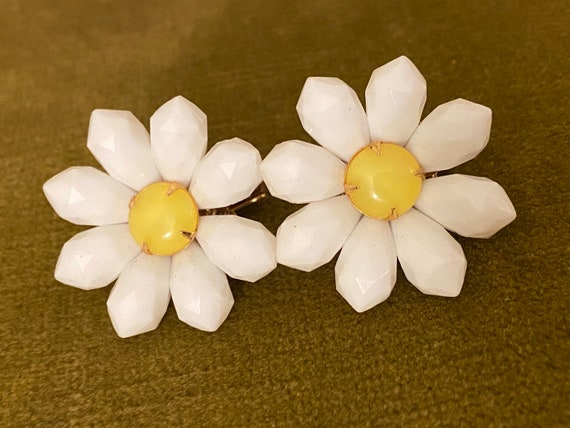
160, 193
384, 165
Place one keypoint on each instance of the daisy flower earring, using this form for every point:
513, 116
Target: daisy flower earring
163, 217
372, 188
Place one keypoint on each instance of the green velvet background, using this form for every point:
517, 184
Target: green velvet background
292, 351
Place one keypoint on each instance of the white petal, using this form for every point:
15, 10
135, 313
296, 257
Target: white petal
200, 291
227, 174
471, 206
366, 268
85, 195
179, 137
140, 296
121, 145
242, 248
311, 237
452, 134
300, 172
431, 259
96, 257
331, 113
395, 98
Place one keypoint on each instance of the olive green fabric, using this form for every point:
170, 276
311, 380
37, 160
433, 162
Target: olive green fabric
292, 352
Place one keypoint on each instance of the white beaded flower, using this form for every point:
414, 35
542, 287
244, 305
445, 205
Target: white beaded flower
144, 203
382, 163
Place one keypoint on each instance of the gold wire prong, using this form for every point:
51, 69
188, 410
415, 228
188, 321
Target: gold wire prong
420, 173
132, 202
393, 215
350, 188
189, 235
174, 186
145, 249
377, 147
425, 175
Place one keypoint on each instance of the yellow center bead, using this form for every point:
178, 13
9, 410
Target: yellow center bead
383, 180
163, 218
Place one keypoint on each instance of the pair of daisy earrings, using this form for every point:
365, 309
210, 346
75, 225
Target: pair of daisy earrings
165, 211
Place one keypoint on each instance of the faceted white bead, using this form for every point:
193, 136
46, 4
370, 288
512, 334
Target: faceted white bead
140, 296
311, 237
85, 195
179, 137
366, 268
395, 98
431, 259
200, 291
331, 113
242, 248
121, 145
227, 174
471, 206
95, 258
452, 134
300, 172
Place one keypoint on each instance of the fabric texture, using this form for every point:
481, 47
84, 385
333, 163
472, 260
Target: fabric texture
292, 352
